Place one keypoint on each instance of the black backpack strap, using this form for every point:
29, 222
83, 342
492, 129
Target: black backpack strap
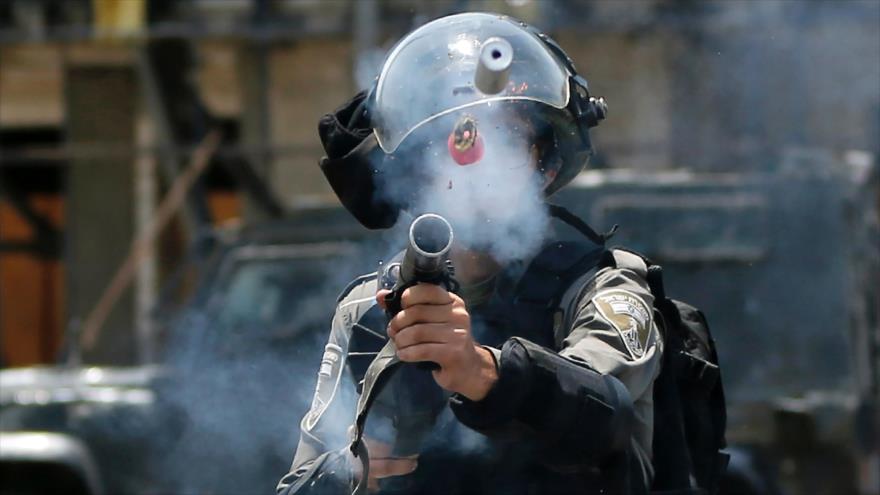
689, 400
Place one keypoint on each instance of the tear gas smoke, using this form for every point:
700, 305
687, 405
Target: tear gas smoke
244, 371
495, 204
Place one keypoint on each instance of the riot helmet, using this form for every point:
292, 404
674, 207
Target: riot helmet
454, 88
446, 74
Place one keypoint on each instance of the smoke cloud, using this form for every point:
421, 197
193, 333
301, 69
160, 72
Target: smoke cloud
243, 372
494, 205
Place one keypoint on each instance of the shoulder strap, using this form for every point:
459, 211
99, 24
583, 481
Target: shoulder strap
537, 291
354, 283
560, 263
562, 213
377, 376
552, 271
533, 307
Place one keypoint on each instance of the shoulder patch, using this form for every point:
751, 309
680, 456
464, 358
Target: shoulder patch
328, 381
629, 315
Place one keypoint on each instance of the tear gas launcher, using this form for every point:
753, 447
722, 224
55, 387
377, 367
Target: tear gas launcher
426, 260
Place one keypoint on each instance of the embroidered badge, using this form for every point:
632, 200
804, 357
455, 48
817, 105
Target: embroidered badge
328, 381
629, 315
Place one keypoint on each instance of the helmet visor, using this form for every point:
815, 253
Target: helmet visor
432, 72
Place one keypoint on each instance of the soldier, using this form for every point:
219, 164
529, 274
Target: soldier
548, 352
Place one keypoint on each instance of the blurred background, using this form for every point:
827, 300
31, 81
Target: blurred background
170, 253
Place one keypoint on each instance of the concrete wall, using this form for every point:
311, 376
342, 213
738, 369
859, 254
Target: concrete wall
307, 80
634, 76
30, 85
101, 102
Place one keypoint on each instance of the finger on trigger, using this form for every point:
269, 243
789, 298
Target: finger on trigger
425, 294
422, 333
422, 313
380, 297
429, 351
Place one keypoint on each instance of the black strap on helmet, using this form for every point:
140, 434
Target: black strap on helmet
587, 110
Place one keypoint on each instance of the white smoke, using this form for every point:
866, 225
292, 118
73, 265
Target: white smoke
495, 205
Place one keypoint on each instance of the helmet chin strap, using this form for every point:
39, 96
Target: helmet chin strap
576, 223
587, 110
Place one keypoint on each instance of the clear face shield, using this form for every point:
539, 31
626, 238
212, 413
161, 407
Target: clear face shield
458, 62
453, 104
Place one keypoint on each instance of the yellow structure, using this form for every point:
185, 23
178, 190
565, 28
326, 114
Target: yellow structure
118, 18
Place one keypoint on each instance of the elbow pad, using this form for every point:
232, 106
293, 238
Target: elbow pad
574, 408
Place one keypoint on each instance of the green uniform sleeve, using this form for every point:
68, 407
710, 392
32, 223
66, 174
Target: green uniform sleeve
609, 328
612, 329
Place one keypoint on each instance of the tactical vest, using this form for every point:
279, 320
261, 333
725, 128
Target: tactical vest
690, 416
526, 303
